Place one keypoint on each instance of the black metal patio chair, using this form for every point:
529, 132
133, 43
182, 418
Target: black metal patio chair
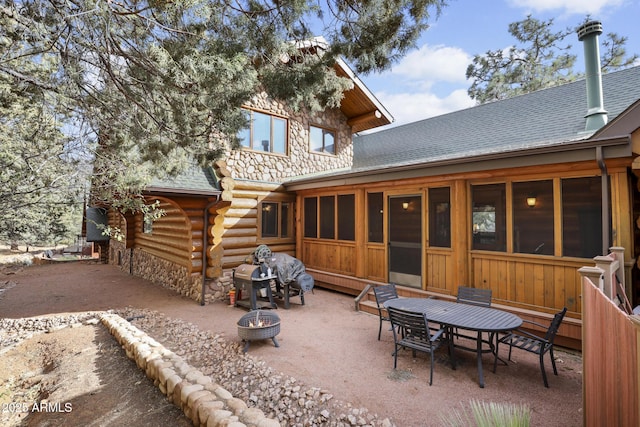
473, 296
384, 293
411, 330
533, 343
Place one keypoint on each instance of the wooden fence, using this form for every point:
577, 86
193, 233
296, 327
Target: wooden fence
610, 351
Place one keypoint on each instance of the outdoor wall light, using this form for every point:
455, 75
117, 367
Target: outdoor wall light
405, 205
531, 200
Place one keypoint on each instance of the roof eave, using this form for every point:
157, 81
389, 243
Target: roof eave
373, 114
583, 150
161, 191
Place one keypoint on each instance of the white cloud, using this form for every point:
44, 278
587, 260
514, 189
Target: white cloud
430, 64
427, 82
591, 7
411, 107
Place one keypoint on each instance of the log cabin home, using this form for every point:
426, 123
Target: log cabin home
513, 196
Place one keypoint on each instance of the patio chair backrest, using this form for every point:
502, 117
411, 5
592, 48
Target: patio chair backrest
413, 327
384, 293
555, 325
474, 296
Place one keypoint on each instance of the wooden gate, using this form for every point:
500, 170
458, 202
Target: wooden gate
611, 368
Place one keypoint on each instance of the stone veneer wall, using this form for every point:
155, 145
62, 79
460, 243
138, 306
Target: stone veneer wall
270, 167
168, 274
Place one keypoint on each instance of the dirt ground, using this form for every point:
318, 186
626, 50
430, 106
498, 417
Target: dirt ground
324, 343
79, 377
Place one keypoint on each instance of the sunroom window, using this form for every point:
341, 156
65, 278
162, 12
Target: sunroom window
440, 217
321, 213
375, 205
488, 218
582, 217
533, 230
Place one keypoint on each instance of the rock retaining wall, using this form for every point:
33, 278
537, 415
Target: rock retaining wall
204, 402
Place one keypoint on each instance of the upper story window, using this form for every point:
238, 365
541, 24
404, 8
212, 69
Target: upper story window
322, 140
266, 133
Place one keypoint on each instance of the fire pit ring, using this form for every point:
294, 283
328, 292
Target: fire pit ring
258, 325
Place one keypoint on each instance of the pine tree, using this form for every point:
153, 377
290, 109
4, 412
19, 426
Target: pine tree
139, 85
540, 60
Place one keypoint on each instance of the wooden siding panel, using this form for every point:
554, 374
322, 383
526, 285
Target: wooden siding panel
347, 259
439, 272
570, 293
538, 287
330, 256
502, 277
519, 279
375, 265
540, 284
550, 285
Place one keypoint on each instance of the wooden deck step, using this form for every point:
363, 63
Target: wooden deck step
368, 306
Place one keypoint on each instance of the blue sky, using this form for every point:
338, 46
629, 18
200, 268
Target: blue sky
430, 80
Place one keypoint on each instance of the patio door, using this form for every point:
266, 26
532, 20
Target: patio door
405, 240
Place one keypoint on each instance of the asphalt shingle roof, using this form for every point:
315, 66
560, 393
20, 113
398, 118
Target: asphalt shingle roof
194, 179
547, 117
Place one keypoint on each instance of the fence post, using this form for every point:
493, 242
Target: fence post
592, 273
618, 252
608, 264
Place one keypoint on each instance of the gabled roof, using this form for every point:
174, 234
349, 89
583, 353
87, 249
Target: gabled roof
547, 117
359, 105
194, 181
550, 120
362, 108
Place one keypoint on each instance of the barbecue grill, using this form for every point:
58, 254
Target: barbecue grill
251, 279
281, 271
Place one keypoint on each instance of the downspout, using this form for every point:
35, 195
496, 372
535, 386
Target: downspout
606, 220
205, 245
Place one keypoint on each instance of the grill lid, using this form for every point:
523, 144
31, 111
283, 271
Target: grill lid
247, 272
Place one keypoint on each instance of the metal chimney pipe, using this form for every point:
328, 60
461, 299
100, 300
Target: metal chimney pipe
596, 114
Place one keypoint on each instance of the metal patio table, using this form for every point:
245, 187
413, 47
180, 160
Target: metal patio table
463, 316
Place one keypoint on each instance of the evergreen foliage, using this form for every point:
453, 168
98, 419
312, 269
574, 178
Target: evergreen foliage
151, 79
540, 60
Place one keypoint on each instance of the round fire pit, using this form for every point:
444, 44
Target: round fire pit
258, 325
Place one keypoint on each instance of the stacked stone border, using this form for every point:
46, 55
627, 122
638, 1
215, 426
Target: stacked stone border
204, 402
